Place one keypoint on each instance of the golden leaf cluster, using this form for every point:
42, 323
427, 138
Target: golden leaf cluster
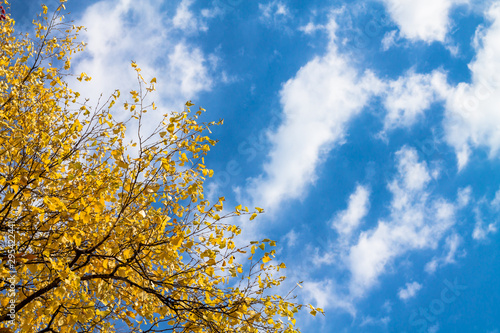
106, 239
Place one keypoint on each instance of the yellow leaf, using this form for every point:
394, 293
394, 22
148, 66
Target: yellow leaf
78, 240
128, 253
254, 215
122, 164
176, 241
171, 128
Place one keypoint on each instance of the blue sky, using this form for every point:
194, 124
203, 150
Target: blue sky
368, 130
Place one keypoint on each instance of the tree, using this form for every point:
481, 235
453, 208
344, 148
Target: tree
100, 236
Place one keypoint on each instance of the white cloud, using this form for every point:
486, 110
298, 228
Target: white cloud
274, 11
310, 27
464, 196
321, 258
495, 203
323, 294
472, 117
415, 222
317, 105
184, 19
371, 321
390, 39
348, 220
212, 12
119, 32
410, 290
426, 20
187, 71
410, 95
291, 238
481, 229
330, 27
434, 328
452, 244
413, 175
432, 265
418, 220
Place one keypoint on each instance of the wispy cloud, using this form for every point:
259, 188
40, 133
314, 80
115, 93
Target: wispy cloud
318, 104
346, 221
482, 229
290, 239
186, 20
406, 98
274, 11
390, 39
464, 196
315, 120
415, 222
451, 247
495, 203
472, 118
434, 328
426, 20
119, 32
418, 220
409, 291
324, 294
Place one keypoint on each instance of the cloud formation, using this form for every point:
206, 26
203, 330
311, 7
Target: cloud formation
409, 291
451, 246
425, 20
346, 221
119, 32
318, 104
407, 97
274, 11
472, 117
416, 222
471, 120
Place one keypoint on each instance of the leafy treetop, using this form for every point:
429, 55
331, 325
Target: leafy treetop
106, 241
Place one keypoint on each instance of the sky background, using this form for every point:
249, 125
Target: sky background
368, 130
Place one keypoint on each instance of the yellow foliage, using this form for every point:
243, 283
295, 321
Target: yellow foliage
105, 238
